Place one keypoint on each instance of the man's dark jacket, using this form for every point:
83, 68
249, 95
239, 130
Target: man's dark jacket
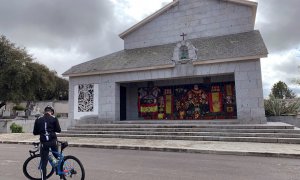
46, 126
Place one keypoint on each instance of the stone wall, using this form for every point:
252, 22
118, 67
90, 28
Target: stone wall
293, 120
28, 124
247, 76
196, 18
61, 108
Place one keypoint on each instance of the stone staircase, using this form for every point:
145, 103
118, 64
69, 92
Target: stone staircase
217, 130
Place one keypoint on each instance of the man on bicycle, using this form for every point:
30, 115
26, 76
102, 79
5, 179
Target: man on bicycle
46, 126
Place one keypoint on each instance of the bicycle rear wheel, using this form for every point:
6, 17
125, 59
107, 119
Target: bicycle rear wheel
31, 168
72, 168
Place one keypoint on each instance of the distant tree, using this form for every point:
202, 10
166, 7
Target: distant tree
42, 82
14, 74
281, 91
22, 79
61, 89
58, 91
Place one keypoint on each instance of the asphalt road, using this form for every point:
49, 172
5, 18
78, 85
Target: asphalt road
105, 164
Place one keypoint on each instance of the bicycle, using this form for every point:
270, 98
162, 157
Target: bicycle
67, 167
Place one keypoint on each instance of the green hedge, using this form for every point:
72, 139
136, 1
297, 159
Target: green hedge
15, 128
18, 108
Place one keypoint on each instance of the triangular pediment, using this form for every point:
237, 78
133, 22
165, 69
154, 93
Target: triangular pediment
175, 3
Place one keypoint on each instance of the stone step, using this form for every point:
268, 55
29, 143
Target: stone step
188, 130
226, 134
220, 121
212, 131
237, 126
190, 138
216, 121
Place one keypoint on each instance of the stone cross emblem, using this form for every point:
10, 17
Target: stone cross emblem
183, 36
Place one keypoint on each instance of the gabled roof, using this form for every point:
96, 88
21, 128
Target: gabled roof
174, 3
234, 47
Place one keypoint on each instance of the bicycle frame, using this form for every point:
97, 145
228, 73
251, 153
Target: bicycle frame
60, 157
65, 166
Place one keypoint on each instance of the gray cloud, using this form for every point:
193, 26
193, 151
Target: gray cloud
93, 26
278, 23
289, 70
296, 90
282, 66
89, 26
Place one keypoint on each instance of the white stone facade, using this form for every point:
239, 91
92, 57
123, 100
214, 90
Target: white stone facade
247, 77
196, 18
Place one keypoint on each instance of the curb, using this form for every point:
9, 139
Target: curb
170, 149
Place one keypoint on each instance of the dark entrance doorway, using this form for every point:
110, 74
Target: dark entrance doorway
122, 103
193, 98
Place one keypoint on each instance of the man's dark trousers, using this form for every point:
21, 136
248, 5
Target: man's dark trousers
45, 153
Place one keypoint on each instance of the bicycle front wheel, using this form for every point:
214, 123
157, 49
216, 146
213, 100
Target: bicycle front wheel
72, 168
31, 168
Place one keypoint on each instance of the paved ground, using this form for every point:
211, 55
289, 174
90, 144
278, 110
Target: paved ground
206, 147
108, 164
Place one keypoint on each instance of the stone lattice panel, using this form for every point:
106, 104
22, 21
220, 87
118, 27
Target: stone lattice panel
85, 98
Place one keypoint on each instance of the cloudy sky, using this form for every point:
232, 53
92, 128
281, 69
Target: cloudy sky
63, 33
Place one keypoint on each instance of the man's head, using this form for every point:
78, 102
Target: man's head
49, 110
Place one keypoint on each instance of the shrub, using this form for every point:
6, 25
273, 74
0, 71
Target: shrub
15, 128
18, 108
279, 107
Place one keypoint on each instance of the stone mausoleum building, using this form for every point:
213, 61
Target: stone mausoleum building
190, 60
